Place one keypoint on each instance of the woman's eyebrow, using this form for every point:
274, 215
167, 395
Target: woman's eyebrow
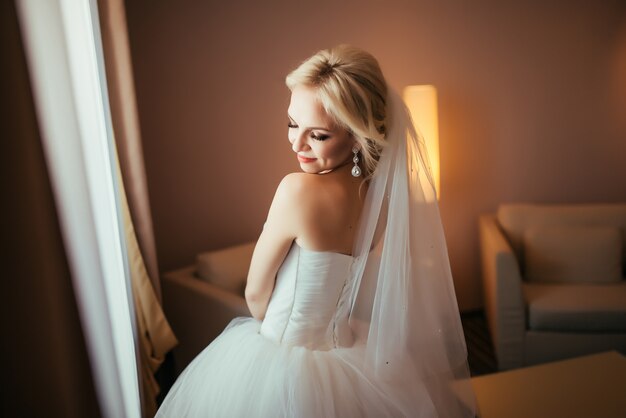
319, 128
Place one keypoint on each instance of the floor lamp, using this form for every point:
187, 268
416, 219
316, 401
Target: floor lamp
422, 103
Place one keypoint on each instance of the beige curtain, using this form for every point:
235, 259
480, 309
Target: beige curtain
155, 335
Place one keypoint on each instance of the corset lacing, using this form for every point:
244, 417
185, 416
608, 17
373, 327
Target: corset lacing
341, 332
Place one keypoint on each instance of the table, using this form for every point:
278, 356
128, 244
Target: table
592, 386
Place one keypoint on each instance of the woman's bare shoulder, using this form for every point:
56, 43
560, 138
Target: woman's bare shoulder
289, 193
316, 208
295, 181
311, 194
300, 188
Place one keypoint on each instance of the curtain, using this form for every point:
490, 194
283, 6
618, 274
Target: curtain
155, 335
126, 128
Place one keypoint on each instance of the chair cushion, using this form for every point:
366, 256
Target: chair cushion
516, 218
573, 254
576, 307
226, 268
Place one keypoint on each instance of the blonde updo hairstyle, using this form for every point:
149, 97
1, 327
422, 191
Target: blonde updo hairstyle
353, 91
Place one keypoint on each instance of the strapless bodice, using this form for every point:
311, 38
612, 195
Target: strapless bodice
310, 286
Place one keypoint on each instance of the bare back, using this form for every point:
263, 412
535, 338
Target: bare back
330, 210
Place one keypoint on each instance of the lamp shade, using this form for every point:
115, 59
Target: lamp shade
422, 103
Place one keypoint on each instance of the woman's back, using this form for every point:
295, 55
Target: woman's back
328, 210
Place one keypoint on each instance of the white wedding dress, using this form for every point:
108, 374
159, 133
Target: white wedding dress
374, 335
289, 365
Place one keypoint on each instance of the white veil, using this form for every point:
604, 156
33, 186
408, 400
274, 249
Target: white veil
400, 298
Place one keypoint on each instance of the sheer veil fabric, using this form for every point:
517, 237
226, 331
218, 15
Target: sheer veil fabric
400, 294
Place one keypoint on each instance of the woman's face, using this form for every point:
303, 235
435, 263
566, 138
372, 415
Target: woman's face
319, 143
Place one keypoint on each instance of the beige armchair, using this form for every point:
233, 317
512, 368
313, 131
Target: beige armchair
553, 281
201, 299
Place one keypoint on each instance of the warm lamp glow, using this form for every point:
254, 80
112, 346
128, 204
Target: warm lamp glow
422, 104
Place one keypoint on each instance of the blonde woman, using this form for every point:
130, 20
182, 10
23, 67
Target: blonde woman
354, 312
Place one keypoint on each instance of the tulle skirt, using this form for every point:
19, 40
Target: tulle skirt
244, 374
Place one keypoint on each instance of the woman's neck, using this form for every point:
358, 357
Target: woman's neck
338, 168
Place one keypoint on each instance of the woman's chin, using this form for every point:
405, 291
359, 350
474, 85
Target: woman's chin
308, 169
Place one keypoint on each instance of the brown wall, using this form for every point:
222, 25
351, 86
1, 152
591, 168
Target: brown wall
531, 106
45, 369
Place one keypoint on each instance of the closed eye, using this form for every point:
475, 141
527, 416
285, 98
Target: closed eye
319, 137
291, 125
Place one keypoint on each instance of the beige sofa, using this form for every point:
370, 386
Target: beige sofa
201, 299
553, 281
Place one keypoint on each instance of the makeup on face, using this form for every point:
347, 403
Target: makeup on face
320, 145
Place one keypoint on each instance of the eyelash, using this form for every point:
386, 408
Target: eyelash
315, 137
319, 137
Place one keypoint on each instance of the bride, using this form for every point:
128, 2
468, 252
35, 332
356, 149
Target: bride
354, 311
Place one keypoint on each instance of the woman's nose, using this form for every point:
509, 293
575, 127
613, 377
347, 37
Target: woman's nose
299, 142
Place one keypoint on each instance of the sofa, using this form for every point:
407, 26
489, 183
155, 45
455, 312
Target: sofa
553, 280
200, 300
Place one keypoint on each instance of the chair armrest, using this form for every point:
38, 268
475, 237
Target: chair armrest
198, 312
502, 290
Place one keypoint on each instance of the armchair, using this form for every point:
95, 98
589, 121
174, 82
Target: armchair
201, 299
553, 281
